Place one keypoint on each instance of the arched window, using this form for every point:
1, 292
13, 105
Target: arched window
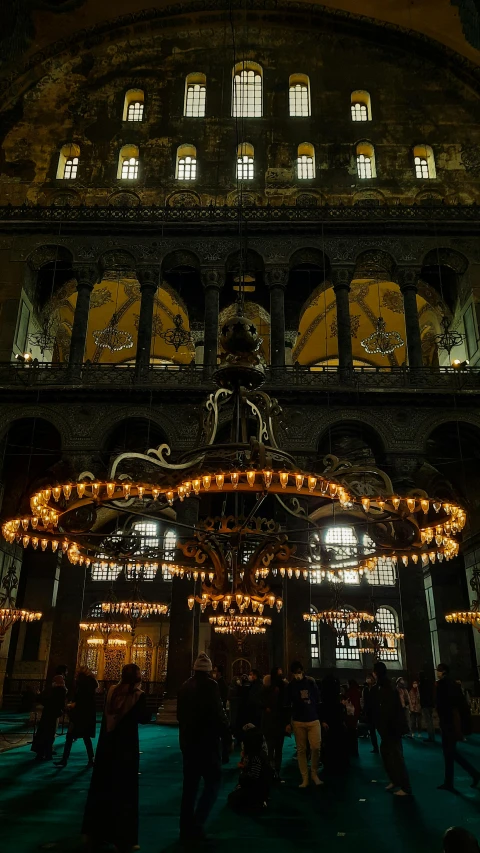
305, 161
149, 543
195, 95
388, 621
169, 546
133, 105
245, 162
128, 160
384, 574
424, 161
68, 162
361, 106
347, 648
365, 153
186, 163
299, 95
247, 90
314, 640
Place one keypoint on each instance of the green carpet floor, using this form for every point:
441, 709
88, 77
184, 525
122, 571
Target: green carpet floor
41, 807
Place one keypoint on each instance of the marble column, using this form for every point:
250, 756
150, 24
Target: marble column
276, 279
86, 277
148, 278
407, 279
182, 619
341, 278
212, 280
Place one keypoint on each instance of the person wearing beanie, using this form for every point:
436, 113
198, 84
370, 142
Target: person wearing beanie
204, 734
390, 722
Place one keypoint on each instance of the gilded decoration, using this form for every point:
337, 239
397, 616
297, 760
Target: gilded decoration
393, 300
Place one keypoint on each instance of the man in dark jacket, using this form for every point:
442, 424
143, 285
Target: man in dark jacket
368, 710
426, 688
454, 716
390, 723
304, 698
203, 730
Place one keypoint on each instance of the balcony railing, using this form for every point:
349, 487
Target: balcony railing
154, 214
102, 376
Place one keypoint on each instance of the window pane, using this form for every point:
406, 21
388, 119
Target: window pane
169, 546
299, 100
387, 622
343, 543
421, 167
135, 111
187, 169
71, 166
470, 332
347, 648
245, 168
364, 166
247, 94
130, 168
359, 112
305, 167
195, 101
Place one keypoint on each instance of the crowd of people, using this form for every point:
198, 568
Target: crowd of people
256, 714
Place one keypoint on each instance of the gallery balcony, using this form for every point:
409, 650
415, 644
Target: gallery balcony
105, 378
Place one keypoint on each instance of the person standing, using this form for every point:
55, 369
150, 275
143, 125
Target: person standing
368, 710
426, 687
222, 684
53, 701
111, 811
303, 698
83, 715
275, 718
405, 702
391, 725
203, 730
415, 709
254, 698
454, 715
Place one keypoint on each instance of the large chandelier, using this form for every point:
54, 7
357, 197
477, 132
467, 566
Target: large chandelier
113, 642
237, 562
106, 629
9, 613
380, 341
339, 619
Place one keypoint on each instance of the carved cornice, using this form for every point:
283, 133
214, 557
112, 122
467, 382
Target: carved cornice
308, 14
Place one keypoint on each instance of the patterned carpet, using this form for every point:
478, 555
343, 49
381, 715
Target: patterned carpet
41, 807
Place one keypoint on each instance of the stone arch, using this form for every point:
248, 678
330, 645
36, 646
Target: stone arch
32, 452
352, 439
109, 421
447, 257
51, 415
374, 263
180, 258
319, 427
310, 255
254, 276
48, 253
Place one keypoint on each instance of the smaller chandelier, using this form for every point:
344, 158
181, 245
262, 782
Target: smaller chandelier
381, 341
465, 617
448, 339
137, 609
335, 618
178, 336
241, 600
10, 615
239, 624
113, 339
104, 628
114, 642
378, 651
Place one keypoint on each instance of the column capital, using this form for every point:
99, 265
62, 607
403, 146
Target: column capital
212, 277
407, 277
341, 277
276, 276
148, 276
86, 275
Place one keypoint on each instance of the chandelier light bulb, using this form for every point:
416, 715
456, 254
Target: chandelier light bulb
56, 492
155, 493
220, 480
126, 490
251, 478
283, 476
396, 502
234, 477
299, 478
411, 504
312, 482
207, 481
170, 496
366, 504
80, 489
267, 478
110, 489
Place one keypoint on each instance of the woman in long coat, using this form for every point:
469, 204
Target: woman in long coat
111, 812
53, 701
83, 715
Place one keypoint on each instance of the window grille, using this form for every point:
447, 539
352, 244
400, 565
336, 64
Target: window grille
299, 100
130, 168
245, 168
359, 112
135, 111
195, 100
70, 170
247, 94
364, 166
305, 167
421, 167
169, 546
187, 168
387, 622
